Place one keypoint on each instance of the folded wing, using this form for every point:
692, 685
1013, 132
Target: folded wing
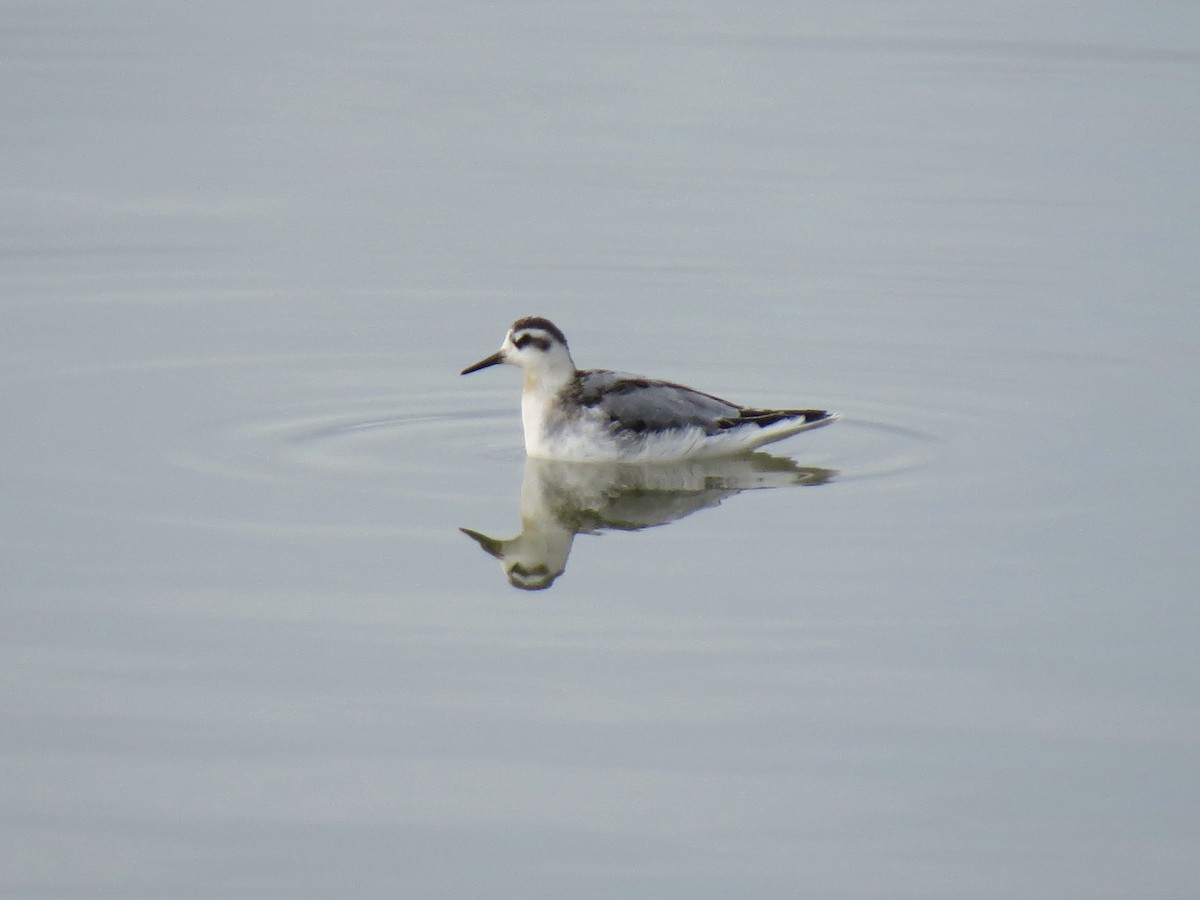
641, 404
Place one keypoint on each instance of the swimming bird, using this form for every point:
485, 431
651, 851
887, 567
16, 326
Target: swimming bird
600, 415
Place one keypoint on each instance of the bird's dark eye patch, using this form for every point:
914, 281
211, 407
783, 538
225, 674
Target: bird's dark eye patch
526, 339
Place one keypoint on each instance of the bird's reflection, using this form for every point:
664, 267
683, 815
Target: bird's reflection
562, 499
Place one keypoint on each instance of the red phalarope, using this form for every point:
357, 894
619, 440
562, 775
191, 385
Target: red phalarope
598, 415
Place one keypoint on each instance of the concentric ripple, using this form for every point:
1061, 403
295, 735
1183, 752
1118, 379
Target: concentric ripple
383, 442
367, 443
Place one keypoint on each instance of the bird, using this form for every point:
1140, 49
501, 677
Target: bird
602, 415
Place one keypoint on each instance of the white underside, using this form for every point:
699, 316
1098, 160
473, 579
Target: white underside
589, 441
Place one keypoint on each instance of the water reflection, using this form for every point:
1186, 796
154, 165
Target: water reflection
562, 499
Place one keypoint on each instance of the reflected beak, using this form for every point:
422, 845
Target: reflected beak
494, 360
490, 545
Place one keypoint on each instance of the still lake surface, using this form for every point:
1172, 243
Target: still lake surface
944, 648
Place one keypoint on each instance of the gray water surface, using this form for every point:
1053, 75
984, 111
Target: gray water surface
944, 648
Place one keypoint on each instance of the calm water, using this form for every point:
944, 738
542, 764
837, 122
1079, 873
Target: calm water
945, 648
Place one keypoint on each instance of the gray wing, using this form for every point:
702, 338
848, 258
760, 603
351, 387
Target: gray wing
639, 404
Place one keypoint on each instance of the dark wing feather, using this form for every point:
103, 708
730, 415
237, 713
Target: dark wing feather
764, 417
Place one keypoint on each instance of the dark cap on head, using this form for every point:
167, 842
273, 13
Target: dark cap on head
544, 324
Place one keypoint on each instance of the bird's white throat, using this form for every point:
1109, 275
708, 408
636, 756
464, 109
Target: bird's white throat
540, 396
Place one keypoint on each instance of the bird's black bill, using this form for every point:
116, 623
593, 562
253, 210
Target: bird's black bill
494, 360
